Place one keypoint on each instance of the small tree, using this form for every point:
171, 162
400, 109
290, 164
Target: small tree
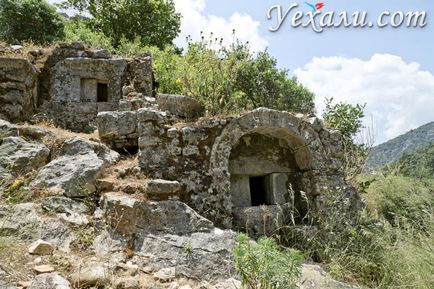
155, 22
29, 20
347, 119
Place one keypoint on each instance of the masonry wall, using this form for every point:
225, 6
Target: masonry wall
207, 156
18, 89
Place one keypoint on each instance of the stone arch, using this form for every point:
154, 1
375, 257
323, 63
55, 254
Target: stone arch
287, 129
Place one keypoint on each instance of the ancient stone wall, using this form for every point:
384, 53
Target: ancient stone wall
237, 169
18, 89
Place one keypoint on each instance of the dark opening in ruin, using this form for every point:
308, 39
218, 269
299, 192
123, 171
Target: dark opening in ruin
258, 191
102, 92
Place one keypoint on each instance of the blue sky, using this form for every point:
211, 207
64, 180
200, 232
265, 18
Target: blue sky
390, 69
296, 47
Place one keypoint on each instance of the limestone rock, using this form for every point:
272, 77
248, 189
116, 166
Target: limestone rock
35, 132
40, 247
92, 274
101, 53
7, 129
181, 106
52, 281
61, 204
202, 256
20, 156
230, 283
166, 274
314, 277
162, 189
23, 284
75, 170
128, 215
41, 269
24, 222
127, 283
118, 129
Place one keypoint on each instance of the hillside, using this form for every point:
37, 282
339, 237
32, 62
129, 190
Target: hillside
409, 142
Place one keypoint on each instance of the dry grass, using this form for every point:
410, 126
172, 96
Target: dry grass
125, 177
14, 260
27, 53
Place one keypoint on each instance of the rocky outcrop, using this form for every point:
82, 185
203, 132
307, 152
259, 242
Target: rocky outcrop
18, 89
80, 162
129, 216
52, 281
24, 221
20, 156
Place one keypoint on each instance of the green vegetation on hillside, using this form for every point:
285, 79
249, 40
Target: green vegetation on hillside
419, 164
409, 142
29, 20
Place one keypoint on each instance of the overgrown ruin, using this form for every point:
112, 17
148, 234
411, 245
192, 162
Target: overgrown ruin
257, 171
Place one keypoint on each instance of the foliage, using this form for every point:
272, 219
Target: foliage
229, 79
419, 164
403, 201
155, 22
344, 117
264, 265
390, 244
78, 30
29, 20
347, 119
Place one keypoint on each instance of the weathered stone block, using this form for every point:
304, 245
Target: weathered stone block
181, 106
162, 189
18, 89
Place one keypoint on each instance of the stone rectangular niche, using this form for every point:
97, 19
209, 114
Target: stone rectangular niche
254, 190
102, 92
88, 89
93, 90
259, 191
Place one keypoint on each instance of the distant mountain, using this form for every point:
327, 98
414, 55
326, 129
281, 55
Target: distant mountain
409, 142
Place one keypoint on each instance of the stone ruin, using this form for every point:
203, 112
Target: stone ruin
256, 171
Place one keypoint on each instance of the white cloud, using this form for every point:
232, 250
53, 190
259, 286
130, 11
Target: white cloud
399, 95
194, 21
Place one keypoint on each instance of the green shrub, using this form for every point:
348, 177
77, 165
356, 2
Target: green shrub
153, 22
402, 201
29, 20
265, 265
78, 30
229, 79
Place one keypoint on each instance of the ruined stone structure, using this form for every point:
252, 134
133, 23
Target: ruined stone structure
255, 171
18, 89
76, 83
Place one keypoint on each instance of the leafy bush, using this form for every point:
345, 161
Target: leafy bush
77, 30
29, 20
153, 22
347, 119
264, 265
229, 79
